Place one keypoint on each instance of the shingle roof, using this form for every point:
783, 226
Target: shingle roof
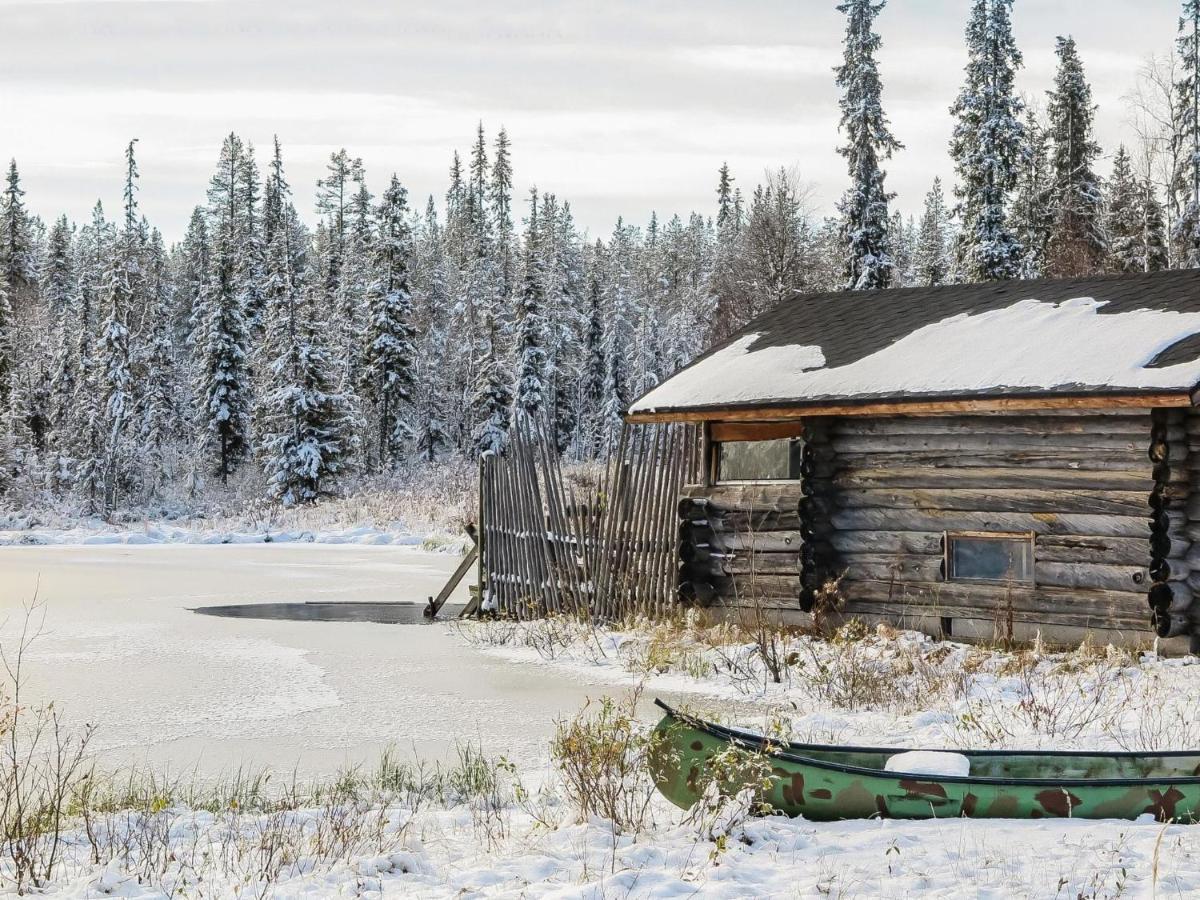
1121, 334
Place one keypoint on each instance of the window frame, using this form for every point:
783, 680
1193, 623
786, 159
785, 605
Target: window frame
717, 433
716, 463
1028, 538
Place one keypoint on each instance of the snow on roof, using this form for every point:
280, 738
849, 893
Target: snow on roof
1104, 335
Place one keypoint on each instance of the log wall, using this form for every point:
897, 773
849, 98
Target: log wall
1112, 497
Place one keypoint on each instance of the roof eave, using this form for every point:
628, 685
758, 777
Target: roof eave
924, 405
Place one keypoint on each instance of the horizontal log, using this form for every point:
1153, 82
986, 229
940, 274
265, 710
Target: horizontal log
757, 521
907, 611
959, 520
1091, 575
1063, 548
1140, 479
758, 587
1053, 605
1084, 460
1128, 503
759, 541
885, 542
985, 442
899, 568
757, 564
1133, 425
776, 495
928, 569
1110, 550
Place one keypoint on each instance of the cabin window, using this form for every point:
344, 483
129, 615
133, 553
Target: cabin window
772, 460
999, 558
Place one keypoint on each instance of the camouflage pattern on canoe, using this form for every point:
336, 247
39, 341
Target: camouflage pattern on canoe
826, 783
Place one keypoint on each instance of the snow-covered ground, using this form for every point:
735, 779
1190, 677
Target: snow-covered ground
458, 853
181, 692
522, 837
884, 687
197, 532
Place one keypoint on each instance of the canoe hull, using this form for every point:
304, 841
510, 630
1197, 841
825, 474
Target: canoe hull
824, 791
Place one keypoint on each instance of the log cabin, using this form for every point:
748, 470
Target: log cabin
1011, 459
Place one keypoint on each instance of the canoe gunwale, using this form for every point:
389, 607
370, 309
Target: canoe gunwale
764, 745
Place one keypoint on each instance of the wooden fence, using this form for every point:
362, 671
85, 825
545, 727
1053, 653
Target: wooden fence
604, 546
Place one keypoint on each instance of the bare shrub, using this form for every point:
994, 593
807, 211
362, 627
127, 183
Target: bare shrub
734, 785
603, 756
42, 765
1058, 698
1158, 721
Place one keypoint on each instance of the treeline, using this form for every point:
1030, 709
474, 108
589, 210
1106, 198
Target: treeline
284, 357
279, 357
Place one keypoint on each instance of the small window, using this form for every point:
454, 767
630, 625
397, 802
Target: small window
774, 460
991, 558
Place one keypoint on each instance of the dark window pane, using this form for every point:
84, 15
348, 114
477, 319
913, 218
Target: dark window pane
777, 460
991, 559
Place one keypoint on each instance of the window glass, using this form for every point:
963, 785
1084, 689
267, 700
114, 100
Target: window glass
1001, 559
777, 460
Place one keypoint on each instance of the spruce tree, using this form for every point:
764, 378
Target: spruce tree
6, 345
1123, 222
594, 359
620, 338
252, 246
60, 290
1187, 112
931, 263
335, 201
531, 328
431, 404
223, 376
18, 255
1156, 254
1077, 245
500, 198
307, 435
494, 395
724, 196
58, 271
728, 283
160, 407
387, 380
86, 424
124, 282
864, 207
1033, 206
988, 144
195, 271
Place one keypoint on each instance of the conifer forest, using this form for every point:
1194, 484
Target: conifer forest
299, 338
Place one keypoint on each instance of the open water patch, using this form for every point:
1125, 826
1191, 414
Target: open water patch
392, 613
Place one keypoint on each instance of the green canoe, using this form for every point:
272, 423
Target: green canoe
824, 783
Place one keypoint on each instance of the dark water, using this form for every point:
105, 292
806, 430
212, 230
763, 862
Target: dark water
383, 613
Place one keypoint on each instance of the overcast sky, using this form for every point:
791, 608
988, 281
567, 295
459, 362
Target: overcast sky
621, 106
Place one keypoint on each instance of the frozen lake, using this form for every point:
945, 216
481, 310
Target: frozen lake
122, 649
